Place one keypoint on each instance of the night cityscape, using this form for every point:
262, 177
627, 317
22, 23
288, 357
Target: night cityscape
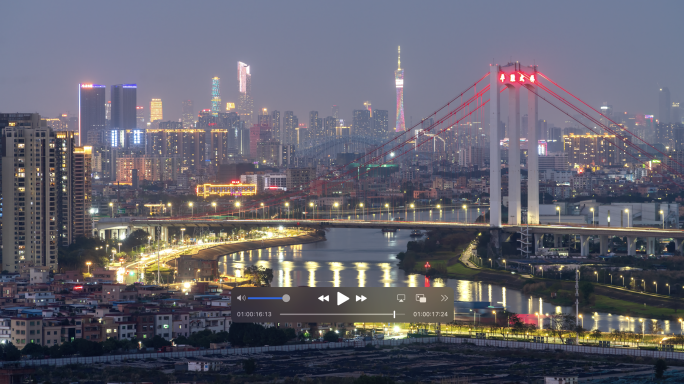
341, 192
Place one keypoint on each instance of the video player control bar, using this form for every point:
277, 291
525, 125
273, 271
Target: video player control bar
308, 304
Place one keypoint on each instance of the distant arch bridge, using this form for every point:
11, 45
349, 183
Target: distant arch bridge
342, 144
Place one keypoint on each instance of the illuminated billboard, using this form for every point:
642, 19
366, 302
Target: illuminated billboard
235, 188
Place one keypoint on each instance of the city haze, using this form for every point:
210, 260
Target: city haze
309, 55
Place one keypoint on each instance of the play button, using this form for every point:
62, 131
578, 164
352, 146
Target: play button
341, 299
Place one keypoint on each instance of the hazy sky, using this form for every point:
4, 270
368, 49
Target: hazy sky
309, 55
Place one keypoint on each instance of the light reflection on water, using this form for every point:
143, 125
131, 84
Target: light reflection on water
366, 258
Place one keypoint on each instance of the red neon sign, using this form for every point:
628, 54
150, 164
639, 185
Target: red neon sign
78, 287
427, 265
502, 78
235, 182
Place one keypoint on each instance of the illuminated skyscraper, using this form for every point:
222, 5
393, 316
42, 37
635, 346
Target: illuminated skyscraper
399, 82
91, 110
245, 103
215, 96
156, 110
290, 126
188, 114
230, 107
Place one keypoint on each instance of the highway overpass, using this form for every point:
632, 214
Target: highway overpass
585, 232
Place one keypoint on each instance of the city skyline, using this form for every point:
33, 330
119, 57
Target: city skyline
308, 82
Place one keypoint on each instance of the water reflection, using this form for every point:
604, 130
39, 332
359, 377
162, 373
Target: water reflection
366, 258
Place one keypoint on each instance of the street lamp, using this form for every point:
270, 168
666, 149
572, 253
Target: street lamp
88, 264
263, 211
237, 204
623, 281
414, 211
558, 209
593, 216
495, 322
542, 270
192, 208
627, 212
668, 289
363, 212
656, 284
111, 208
214, 205
505, 267
119, 247
183, 235
388, 217
611, 278
491, 264
643, 284
596, 273
287, 205
170, 209
337, 205
582, 319
313, 207
465, 207
662, 214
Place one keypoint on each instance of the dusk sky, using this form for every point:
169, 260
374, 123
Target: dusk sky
309, 55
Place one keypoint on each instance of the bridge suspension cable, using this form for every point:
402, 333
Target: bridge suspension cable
618, 136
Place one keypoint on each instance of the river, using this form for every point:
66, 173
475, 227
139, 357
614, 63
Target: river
366, 258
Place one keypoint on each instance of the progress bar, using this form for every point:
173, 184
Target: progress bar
393, 314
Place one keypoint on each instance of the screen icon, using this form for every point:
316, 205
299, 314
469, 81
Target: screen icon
361, 298
341, 298
421, 298
324, 298
401, 297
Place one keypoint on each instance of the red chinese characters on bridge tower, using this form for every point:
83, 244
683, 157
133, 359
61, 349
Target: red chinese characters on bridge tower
517, 77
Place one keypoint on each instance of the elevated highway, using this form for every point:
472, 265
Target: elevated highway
585, 232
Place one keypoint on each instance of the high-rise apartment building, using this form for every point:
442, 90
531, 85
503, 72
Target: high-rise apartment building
675, 114
123, 106
336, 111
91, 110
188, 117
245, 102
315, 130
108, 111
598, 150
361, 122
664, 105
290, 125
215, 95
276, 133
399, 83
73, 171
380, 123
140, 117
156, 111
29, 181
329, 127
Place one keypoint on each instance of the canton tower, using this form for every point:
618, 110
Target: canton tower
399, 81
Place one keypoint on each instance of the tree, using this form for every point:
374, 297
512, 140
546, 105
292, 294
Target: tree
156, 342
331, 337
109, 345
135, 239
596, 334
259, 275
67, 349
10, 352
290, 333
561, 325
659, 368
586, 289
242, 334
273, 336
249, 366
32, 349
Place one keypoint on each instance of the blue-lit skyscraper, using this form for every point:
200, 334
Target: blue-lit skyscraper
124, 112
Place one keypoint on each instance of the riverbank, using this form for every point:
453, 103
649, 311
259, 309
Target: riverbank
608, 299
214, 253
603, 299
